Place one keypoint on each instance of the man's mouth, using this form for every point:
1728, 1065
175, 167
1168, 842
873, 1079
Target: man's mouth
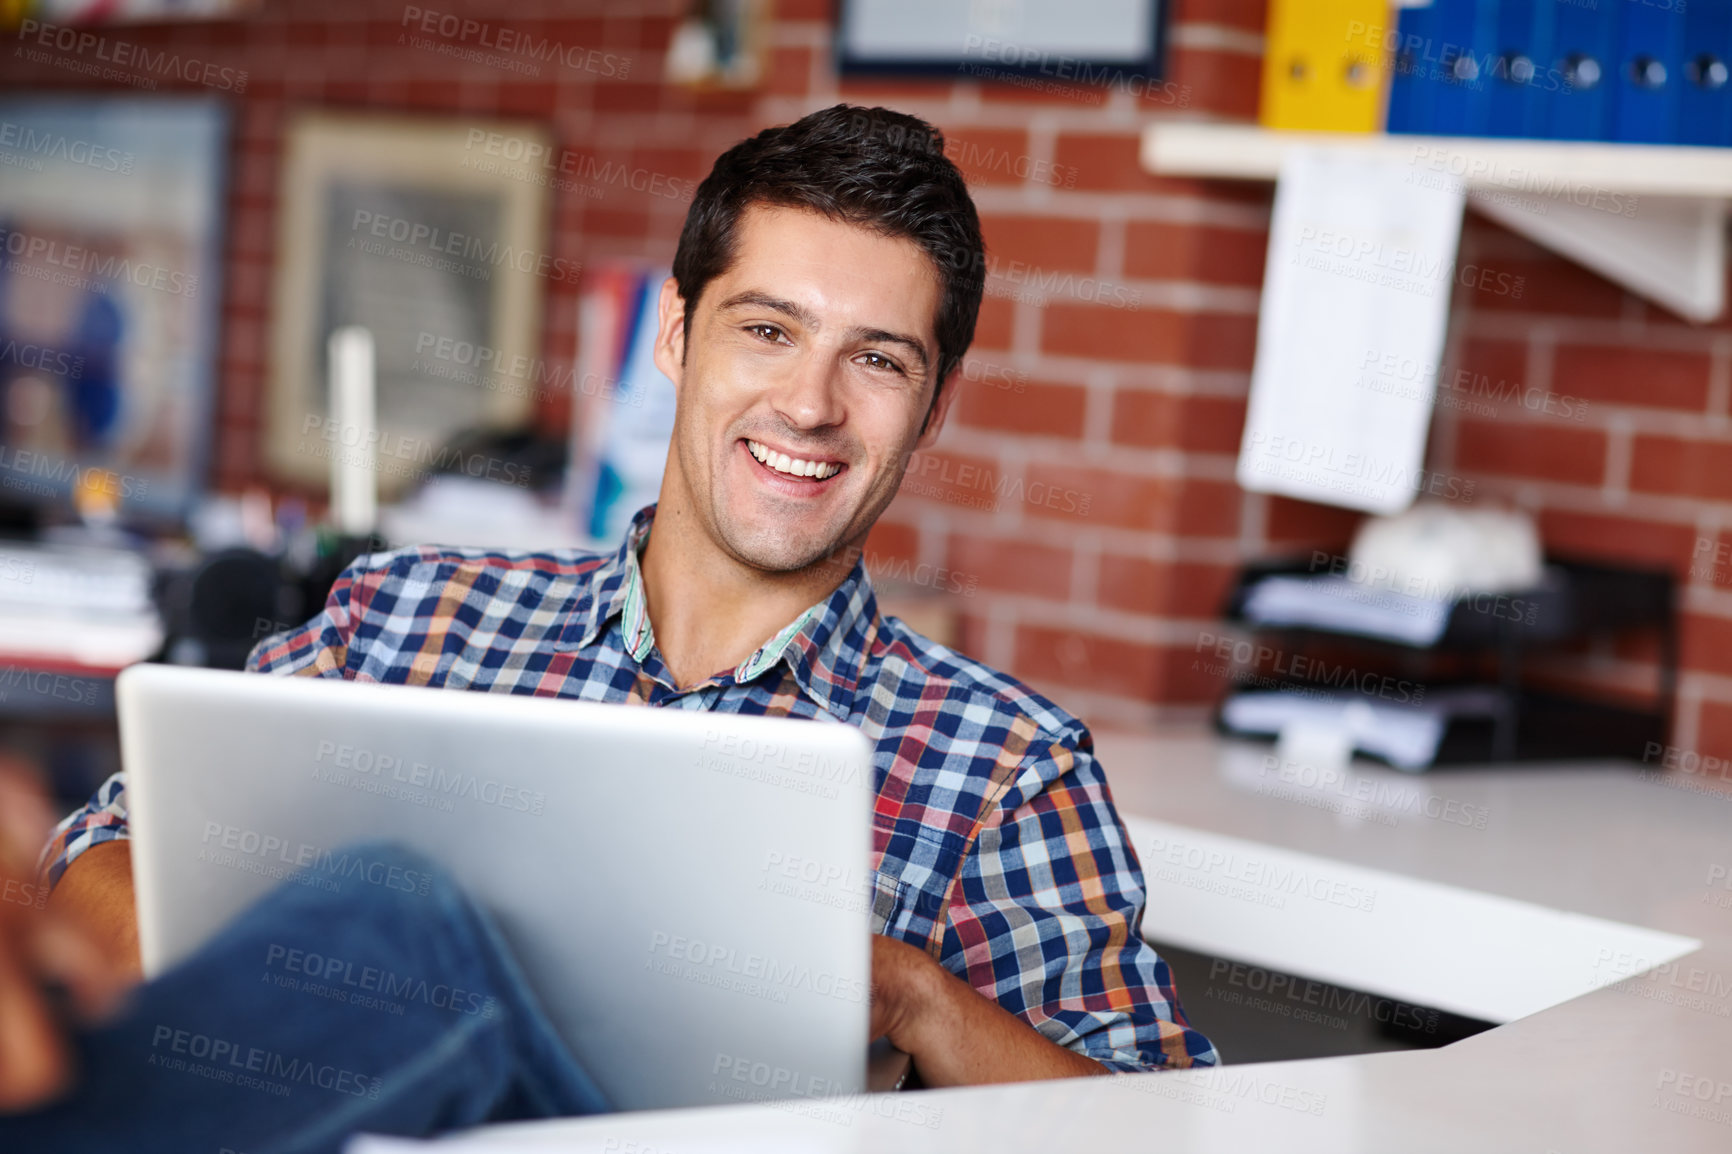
794, 468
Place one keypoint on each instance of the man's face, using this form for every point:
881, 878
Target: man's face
810, 368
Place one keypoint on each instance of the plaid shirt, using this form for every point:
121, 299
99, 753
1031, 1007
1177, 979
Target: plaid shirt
995, 844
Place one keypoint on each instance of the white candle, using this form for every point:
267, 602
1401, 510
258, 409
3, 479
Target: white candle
354, 471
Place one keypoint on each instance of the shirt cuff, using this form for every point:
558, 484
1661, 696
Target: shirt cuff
102, 819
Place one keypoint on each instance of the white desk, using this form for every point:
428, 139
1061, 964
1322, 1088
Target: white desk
1642, 1064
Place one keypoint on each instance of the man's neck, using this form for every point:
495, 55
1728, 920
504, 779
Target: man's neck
709, 612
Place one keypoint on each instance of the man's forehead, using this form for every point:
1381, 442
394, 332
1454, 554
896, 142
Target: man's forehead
890, 271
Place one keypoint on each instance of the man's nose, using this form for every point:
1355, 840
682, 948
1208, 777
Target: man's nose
810, 397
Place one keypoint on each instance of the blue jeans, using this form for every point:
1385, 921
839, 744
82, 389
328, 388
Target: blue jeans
394, 1008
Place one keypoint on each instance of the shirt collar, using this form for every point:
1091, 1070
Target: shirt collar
603, 594
824, 647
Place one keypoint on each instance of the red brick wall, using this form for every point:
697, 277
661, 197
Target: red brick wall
1107, 385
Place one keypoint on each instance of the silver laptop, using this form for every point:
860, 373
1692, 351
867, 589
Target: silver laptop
687, 893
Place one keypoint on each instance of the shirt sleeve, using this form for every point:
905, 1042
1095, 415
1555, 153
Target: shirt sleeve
103, 818
1046, 918
319, 648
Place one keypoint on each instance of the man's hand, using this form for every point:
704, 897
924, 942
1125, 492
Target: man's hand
40, 944
956, 1036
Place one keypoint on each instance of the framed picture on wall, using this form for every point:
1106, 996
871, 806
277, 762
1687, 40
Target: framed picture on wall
433, 235
110, 244
1097, 42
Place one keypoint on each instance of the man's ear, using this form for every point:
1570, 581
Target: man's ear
670, 348
940, 406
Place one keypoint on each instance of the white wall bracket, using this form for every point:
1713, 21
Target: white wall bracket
1648, 217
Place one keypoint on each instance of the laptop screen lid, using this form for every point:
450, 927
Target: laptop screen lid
688, 893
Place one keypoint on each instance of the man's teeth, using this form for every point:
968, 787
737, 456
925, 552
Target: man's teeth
793, 466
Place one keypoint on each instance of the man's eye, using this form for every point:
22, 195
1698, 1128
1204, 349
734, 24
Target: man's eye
880, 361
768, 332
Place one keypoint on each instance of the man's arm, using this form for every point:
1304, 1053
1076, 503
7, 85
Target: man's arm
96, 890
1044, 970
955, 1036
41, 944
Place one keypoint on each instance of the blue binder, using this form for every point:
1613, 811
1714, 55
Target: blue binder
1413, 72
1521, 72
1649, 74
1466, 54
1583, 48
1705, 88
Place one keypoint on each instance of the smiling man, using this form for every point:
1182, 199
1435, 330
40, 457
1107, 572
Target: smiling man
825, 289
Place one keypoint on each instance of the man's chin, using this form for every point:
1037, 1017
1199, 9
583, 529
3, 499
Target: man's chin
779, 550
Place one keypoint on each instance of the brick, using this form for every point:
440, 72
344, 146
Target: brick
1089, 661
1034, 408
1226, 83
616, 96
996, 325
1040, 242
788, 71
1178, 421
890, 539
992, 155
1160, 250
1711, 560
1088, 495
345, 93
1157, 336
1246, 15
1289, 522
1487, 364
1639, 649
245, 342
248, 281
429, 95
1610, 537
1128, 669
1714, 738
1532, 449
1011, 566
1680, 467
629, 223
963, 480
1661, 378
879, 91
1554, 285
528, 100
685, 166
1706, 643
305, 34
1108, 162
1163, 588
997, 88
637, 32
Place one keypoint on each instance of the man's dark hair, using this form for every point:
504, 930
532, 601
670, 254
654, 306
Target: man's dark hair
873, 167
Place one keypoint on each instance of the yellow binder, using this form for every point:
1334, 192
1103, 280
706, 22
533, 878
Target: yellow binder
1324, 65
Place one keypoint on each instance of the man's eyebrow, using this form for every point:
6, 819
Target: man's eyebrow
752, 299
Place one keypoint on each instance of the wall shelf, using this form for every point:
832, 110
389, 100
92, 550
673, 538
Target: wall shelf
1650, 217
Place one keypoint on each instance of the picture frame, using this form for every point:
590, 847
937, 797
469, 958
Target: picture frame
1101, 42
433, 235
111, 233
